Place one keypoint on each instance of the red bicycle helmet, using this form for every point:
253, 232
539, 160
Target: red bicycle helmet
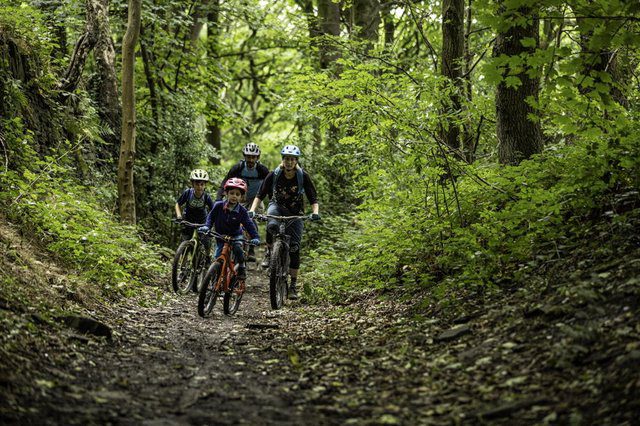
236, 183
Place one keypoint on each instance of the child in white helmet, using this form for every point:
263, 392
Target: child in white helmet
196, 201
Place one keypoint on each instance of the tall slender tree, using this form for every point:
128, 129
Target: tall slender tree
214, 130
329, 17
106, 80
126, 192
452, 66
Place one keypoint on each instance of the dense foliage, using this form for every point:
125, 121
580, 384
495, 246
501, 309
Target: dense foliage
369, 110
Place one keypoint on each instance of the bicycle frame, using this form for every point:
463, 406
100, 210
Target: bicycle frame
221, 278
228, 271
279, 265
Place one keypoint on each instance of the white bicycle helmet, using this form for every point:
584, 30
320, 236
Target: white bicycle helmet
251, 149
290, 150
199, 174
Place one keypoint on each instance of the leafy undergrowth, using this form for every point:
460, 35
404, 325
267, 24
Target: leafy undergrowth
67, 221
36, 296
562, 346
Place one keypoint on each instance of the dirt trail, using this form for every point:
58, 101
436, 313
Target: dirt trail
527, 356
166, 366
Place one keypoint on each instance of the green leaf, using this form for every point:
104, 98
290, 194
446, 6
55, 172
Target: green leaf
528, 42
512, 81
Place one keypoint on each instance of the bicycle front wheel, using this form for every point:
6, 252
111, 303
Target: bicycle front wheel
232, 298
277, 275
200, 270
182, 267
208, 292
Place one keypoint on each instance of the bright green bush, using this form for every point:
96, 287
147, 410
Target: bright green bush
64, 219
530, 213
493, 223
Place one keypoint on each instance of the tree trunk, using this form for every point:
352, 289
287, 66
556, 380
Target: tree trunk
519, 136
106, 87
126, 193
198, 22
595, 63
214, 132
452, 63
83, 47
214, 138
151, 82
366, 18
470, 138
389, 24
329, 17
597, 54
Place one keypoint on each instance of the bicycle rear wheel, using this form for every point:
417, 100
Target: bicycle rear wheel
232, 298
182, 267
277, 275
208, 293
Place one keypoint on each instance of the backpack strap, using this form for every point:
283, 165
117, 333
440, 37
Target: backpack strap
299, 175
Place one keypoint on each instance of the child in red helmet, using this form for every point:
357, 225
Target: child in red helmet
226, 218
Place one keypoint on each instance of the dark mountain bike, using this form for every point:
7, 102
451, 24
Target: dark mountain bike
190, 261
221, 278
278, 269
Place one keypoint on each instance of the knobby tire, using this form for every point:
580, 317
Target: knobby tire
208, 294
182, 267
197, 278
277, 275
231, 300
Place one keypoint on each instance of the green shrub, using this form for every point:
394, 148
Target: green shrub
65, 220
530, 213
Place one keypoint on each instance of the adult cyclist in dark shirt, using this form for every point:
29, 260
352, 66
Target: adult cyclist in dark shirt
286, 187
253, 173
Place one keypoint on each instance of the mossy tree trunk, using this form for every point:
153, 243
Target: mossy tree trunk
106, 81
126, 193
452, 65
519, 136
214, 131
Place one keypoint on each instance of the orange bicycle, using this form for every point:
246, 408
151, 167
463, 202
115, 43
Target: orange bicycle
221, 278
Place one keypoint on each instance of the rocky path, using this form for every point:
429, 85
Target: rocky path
167, 366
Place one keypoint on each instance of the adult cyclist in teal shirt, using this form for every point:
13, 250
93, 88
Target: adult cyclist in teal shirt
253, 173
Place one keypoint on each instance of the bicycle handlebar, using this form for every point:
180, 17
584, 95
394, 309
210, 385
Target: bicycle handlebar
264, 217
229, 238
185, 222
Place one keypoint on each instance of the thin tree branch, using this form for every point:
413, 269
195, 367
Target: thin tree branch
5, 152
434, 56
